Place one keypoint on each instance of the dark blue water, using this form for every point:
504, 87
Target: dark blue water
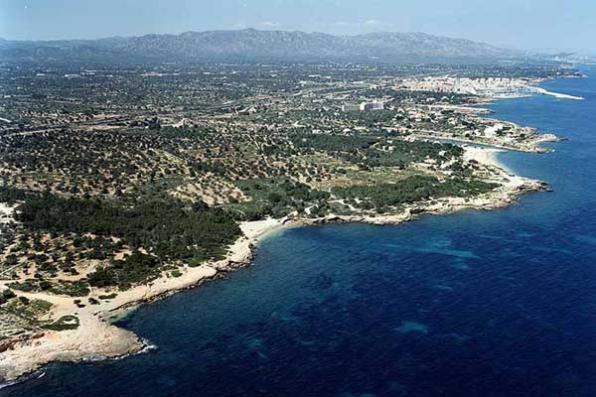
499, 303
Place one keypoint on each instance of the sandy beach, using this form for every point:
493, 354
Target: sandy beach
97, 338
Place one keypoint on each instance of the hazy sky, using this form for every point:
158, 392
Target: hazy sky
523, 24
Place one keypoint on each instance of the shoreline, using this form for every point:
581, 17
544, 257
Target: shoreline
97, 338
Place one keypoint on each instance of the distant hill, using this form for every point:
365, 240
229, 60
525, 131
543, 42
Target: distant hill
258, 45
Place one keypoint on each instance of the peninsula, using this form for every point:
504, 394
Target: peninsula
120, 186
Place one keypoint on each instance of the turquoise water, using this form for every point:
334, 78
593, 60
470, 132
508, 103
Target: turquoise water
499, 303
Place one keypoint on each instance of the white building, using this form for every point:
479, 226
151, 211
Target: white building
371, 106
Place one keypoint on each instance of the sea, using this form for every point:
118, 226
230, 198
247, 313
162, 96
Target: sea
480, 303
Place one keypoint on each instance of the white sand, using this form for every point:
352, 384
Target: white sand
486, 156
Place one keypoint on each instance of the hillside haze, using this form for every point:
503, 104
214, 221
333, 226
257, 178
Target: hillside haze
257, 45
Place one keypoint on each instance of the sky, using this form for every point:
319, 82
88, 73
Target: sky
543, 25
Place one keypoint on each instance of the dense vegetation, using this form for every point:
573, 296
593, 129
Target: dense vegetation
169, 228
11, 195
135, 268
409, 190
276, 198
332, 143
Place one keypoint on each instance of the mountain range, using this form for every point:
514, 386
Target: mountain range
259, 45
